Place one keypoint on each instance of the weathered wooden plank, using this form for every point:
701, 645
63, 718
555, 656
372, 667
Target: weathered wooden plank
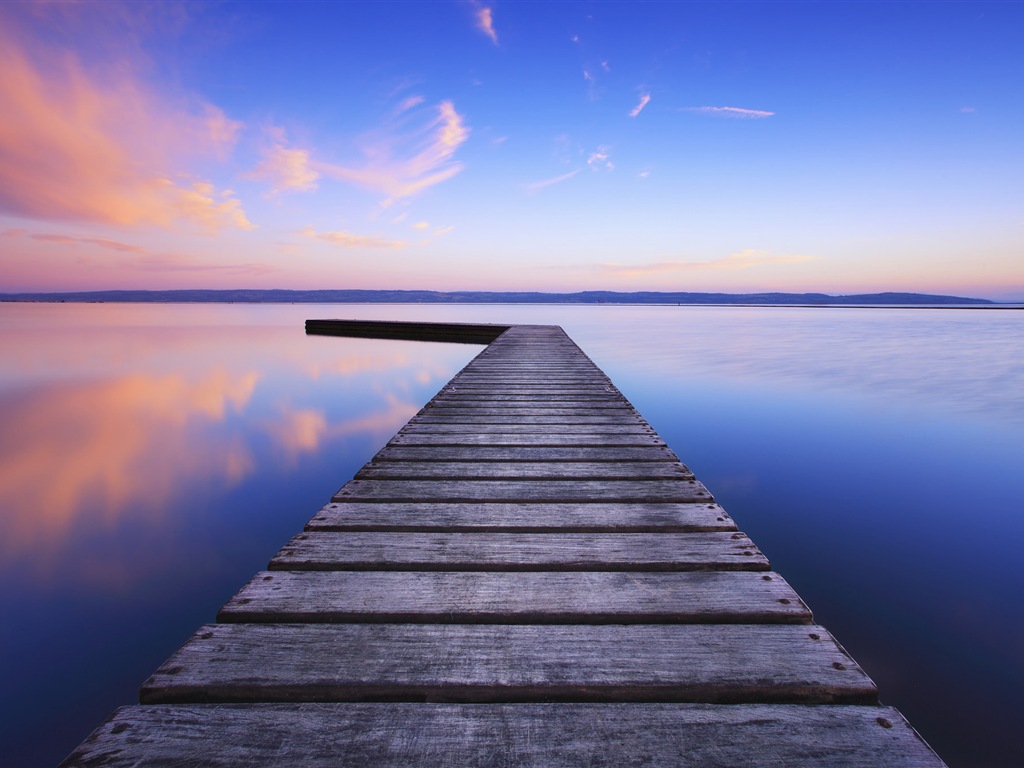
541, 381
529, 429
565, 422
516, 598
432, 551
460, 407
484, 453
523, 470
494, 735
589, 438
525, 490
533, 390
737, 663
521, 518
481, 396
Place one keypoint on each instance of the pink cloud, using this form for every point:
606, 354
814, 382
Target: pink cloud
102, 242
736, 112
350, 240
286, 170
639, 107
485, 21
77, 146
402, 163
539, 185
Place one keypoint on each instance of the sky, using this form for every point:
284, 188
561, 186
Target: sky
541, 146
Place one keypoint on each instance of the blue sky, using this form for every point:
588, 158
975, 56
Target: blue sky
729, 146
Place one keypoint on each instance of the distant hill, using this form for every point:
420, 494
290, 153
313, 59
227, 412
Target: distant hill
494, 297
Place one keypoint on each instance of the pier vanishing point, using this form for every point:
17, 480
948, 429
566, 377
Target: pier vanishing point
525, 574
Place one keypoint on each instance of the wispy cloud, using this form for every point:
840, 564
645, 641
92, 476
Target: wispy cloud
644, 99
350, 240
209, 208
284, 168
102, 242
139, 258
401, 162
734, 112
539, 185
485, 20
179, 263
742, 260
600, 159
409, 103
79, 146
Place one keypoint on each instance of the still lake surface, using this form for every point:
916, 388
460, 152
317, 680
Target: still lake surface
153, 457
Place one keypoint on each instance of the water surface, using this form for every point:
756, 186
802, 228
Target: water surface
154, 457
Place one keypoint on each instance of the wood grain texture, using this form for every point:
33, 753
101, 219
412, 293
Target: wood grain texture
512, 427
521, 518
502, 735
485, 453
528, 437
386, 551
448, 406
516, 598
525, 490
454, 417
470, 397
740, 663
523, 470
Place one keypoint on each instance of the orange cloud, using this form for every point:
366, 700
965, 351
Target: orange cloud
83, 146
349, 240
285, 169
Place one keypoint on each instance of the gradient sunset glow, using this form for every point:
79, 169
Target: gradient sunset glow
470, 145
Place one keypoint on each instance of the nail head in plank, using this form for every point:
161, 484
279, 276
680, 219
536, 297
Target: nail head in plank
460, 735
419, 437
484, 453
387, 551
516, 598
525, 490
737, 663
521, 518
523, 470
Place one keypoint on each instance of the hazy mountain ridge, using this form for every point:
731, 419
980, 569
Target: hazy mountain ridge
488, 297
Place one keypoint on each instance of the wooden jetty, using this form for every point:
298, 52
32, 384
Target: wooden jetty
526, 574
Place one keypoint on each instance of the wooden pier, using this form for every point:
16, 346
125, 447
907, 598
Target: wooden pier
526, 574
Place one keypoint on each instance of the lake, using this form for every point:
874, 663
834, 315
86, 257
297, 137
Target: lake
154, 457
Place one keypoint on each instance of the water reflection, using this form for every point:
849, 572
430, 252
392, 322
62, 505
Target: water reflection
152, 458
157, 456
110, 447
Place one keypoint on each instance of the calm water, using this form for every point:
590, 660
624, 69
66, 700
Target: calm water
154, 457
